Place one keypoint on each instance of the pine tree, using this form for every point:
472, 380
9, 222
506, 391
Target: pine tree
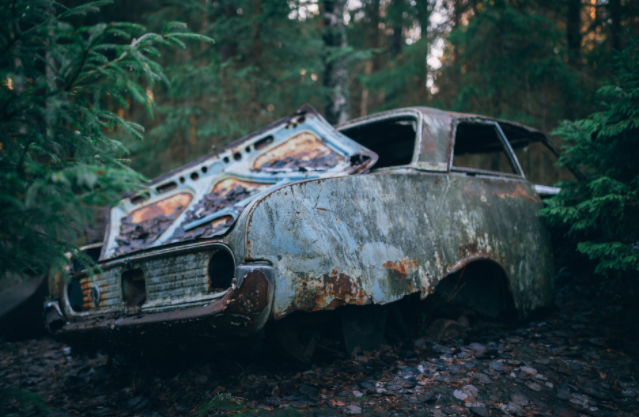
600, 215
58, 152
505, 72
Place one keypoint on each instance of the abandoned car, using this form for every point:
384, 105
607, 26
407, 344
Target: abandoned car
304, 217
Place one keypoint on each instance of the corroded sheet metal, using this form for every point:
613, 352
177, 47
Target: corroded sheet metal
398, 234
172, 279
240, 311
203, 199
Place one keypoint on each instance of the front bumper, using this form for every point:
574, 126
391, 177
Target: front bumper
242, 311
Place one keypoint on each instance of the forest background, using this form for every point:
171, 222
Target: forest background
538, 62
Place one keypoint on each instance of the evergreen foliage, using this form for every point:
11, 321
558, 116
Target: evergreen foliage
58, 156
601, 214
262, 66
503, 70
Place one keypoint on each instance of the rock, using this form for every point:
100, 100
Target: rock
367, 385
470, 390
441, 349
438, 413
528, 370
424, 398
497, 366
519, 398
563, 395
308, 390
483, 378
480, 411
478, 348
352, 409
576, 366
534, 386
511, 408
463, 322
201, 379
460, 395
543, 361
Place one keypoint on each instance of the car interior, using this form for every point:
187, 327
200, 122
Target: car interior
392, 139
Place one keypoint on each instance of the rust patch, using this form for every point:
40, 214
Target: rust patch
143, 226
402, 267
469, 248
304, 152
166, 207
519, 192
224, 194
326, 293
252, 296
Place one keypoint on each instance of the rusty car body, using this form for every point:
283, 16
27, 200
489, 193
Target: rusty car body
301, 216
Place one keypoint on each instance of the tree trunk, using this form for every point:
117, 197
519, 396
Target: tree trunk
397, 40
614, 6
335, 68
573, 31
368, 69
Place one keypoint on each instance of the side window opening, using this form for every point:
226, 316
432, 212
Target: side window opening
538, 163
393, 140
535, 156
479, 148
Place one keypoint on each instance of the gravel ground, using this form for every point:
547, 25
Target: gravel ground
579, 359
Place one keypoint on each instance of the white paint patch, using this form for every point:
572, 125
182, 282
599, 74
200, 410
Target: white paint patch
375, 254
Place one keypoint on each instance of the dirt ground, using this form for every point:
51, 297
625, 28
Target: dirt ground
579, 359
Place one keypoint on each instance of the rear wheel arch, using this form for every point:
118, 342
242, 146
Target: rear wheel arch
479, 284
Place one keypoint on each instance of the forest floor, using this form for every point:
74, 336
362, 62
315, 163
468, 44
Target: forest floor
579, 359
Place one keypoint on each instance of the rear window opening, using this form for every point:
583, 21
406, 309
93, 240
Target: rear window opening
392, 140
479, 147
133, 288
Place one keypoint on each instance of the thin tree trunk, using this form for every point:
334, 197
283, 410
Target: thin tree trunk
397, 40
573, 32
335, 69
368, 69
616, 13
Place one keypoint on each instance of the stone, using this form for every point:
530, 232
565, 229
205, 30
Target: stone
470, 390
352, 409
519, 398
534, 386
480, 411
460, 395
497, 366
483, 378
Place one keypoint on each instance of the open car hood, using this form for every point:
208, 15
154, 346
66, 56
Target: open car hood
204, 198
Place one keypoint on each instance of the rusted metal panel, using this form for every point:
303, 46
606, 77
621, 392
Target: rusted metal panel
171, 279
203, 199
398, 234
241, 311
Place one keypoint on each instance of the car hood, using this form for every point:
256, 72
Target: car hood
204, 198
